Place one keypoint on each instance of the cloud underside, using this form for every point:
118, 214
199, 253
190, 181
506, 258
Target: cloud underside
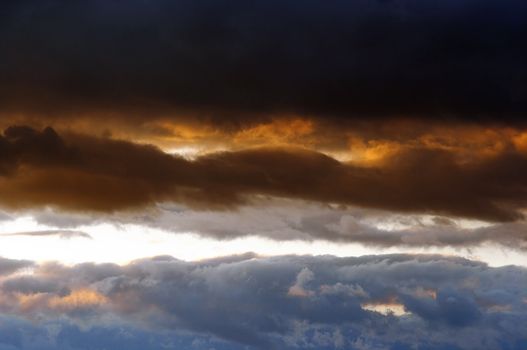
266, 303
290, 221
39, 168
461, 59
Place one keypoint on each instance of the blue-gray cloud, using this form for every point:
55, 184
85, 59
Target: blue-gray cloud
9, 266
283, 302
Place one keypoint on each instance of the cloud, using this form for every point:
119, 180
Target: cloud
86, 173
4, 216
293, 220
247, 301
64, 234
29, 285
378, 58
303, 277
414, 233
9, 266
16, 333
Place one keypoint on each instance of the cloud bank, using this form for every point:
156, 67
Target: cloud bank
288, 302
41, 168
297, 221
461, 59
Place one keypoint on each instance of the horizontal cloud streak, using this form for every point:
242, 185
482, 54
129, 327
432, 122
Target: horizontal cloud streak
65, 234
282, 302
85, 173
286, 220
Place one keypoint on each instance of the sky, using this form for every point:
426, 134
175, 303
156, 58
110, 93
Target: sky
254, 175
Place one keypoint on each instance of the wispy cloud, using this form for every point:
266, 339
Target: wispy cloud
64, 234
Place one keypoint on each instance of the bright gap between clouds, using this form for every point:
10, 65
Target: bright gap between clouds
127, 242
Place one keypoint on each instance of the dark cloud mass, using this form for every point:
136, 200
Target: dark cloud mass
290, 302
86, 173
453, 58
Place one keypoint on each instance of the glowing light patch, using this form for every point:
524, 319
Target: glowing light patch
395, 309
78, 299
426, 293
187, 152
127, 242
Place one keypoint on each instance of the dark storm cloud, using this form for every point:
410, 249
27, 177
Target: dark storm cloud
464, 58
84, 173
277, 303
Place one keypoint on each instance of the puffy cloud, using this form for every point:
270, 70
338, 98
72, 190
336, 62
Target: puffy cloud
248, 301
8, 266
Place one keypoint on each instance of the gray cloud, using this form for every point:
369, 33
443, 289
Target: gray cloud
64, 234
344, 227
286, 302
30, 285
285, 220
4, 216
8, 266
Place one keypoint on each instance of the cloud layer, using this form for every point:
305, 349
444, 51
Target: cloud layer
41, 168
266, 303
463, 59
294, 221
